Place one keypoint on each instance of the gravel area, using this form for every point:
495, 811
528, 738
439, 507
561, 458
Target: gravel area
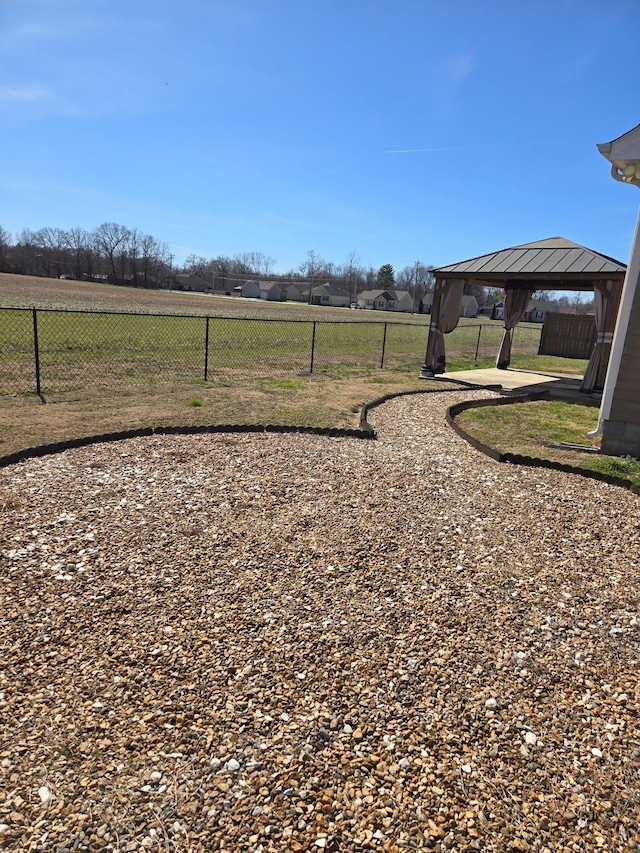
299, 643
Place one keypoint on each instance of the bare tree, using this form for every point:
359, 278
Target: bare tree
132, 253
309, 269
261, 263
241, 264
350, 271
5, 245
495, 294
196, 265
405, 279
77, 241
156, 260
51, 242
110, 239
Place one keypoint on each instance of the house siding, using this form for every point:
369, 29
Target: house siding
621, 432
626, 398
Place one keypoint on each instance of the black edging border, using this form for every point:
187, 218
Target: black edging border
364, 432
380, 400
516, 458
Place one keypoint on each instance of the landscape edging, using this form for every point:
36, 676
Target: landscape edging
386, 397
518, 459
363, 432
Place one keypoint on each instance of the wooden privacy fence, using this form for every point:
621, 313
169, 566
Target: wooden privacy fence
568, 335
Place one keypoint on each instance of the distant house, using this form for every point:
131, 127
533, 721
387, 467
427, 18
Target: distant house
536, 311
320, 295
298, 293
498, 310
272, 292
331, 295
404, 301
340, 298
328, 295
376, 300
250, 290
385, 300
268, 290
469, 307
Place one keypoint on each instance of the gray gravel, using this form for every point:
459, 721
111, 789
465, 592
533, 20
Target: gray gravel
270, 643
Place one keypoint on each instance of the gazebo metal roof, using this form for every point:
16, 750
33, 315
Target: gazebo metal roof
551, 264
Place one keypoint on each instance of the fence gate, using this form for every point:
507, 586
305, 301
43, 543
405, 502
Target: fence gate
568, 335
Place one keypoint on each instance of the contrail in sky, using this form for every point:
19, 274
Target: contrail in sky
472, 147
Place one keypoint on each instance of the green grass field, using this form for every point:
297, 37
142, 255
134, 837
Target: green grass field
530, 428
107, 348
99, 349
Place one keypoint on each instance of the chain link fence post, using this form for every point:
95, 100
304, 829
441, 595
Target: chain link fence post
313, 346
206, 349
36, 352
384, 344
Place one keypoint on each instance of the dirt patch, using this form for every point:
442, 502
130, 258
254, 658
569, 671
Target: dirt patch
316, 400
25, 291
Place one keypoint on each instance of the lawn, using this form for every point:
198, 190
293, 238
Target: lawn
183, 358
87, 349
87, 340
529, 428
327, 399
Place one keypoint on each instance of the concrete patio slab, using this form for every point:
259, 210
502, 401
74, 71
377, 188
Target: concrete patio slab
523, 381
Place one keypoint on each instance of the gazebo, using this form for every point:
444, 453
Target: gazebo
551, 264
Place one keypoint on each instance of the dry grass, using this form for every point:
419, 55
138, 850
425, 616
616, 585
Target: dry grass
318, 400
25, 291
323, 399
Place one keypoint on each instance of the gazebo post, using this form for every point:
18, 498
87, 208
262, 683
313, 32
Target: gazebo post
445, 313
429, 367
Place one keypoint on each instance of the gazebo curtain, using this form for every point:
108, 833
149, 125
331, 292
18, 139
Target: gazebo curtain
445, 314
515, 306
604, 309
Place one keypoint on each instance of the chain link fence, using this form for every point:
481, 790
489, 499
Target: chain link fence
478, 342
47, 351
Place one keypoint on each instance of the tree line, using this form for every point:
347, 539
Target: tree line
110, 252
351, 274
120, 255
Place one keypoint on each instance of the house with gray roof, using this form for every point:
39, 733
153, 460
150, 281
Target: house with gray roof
268, 290
385, 300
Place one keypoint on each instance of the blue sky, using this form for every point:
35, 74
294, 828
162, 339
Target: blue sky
399, 129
